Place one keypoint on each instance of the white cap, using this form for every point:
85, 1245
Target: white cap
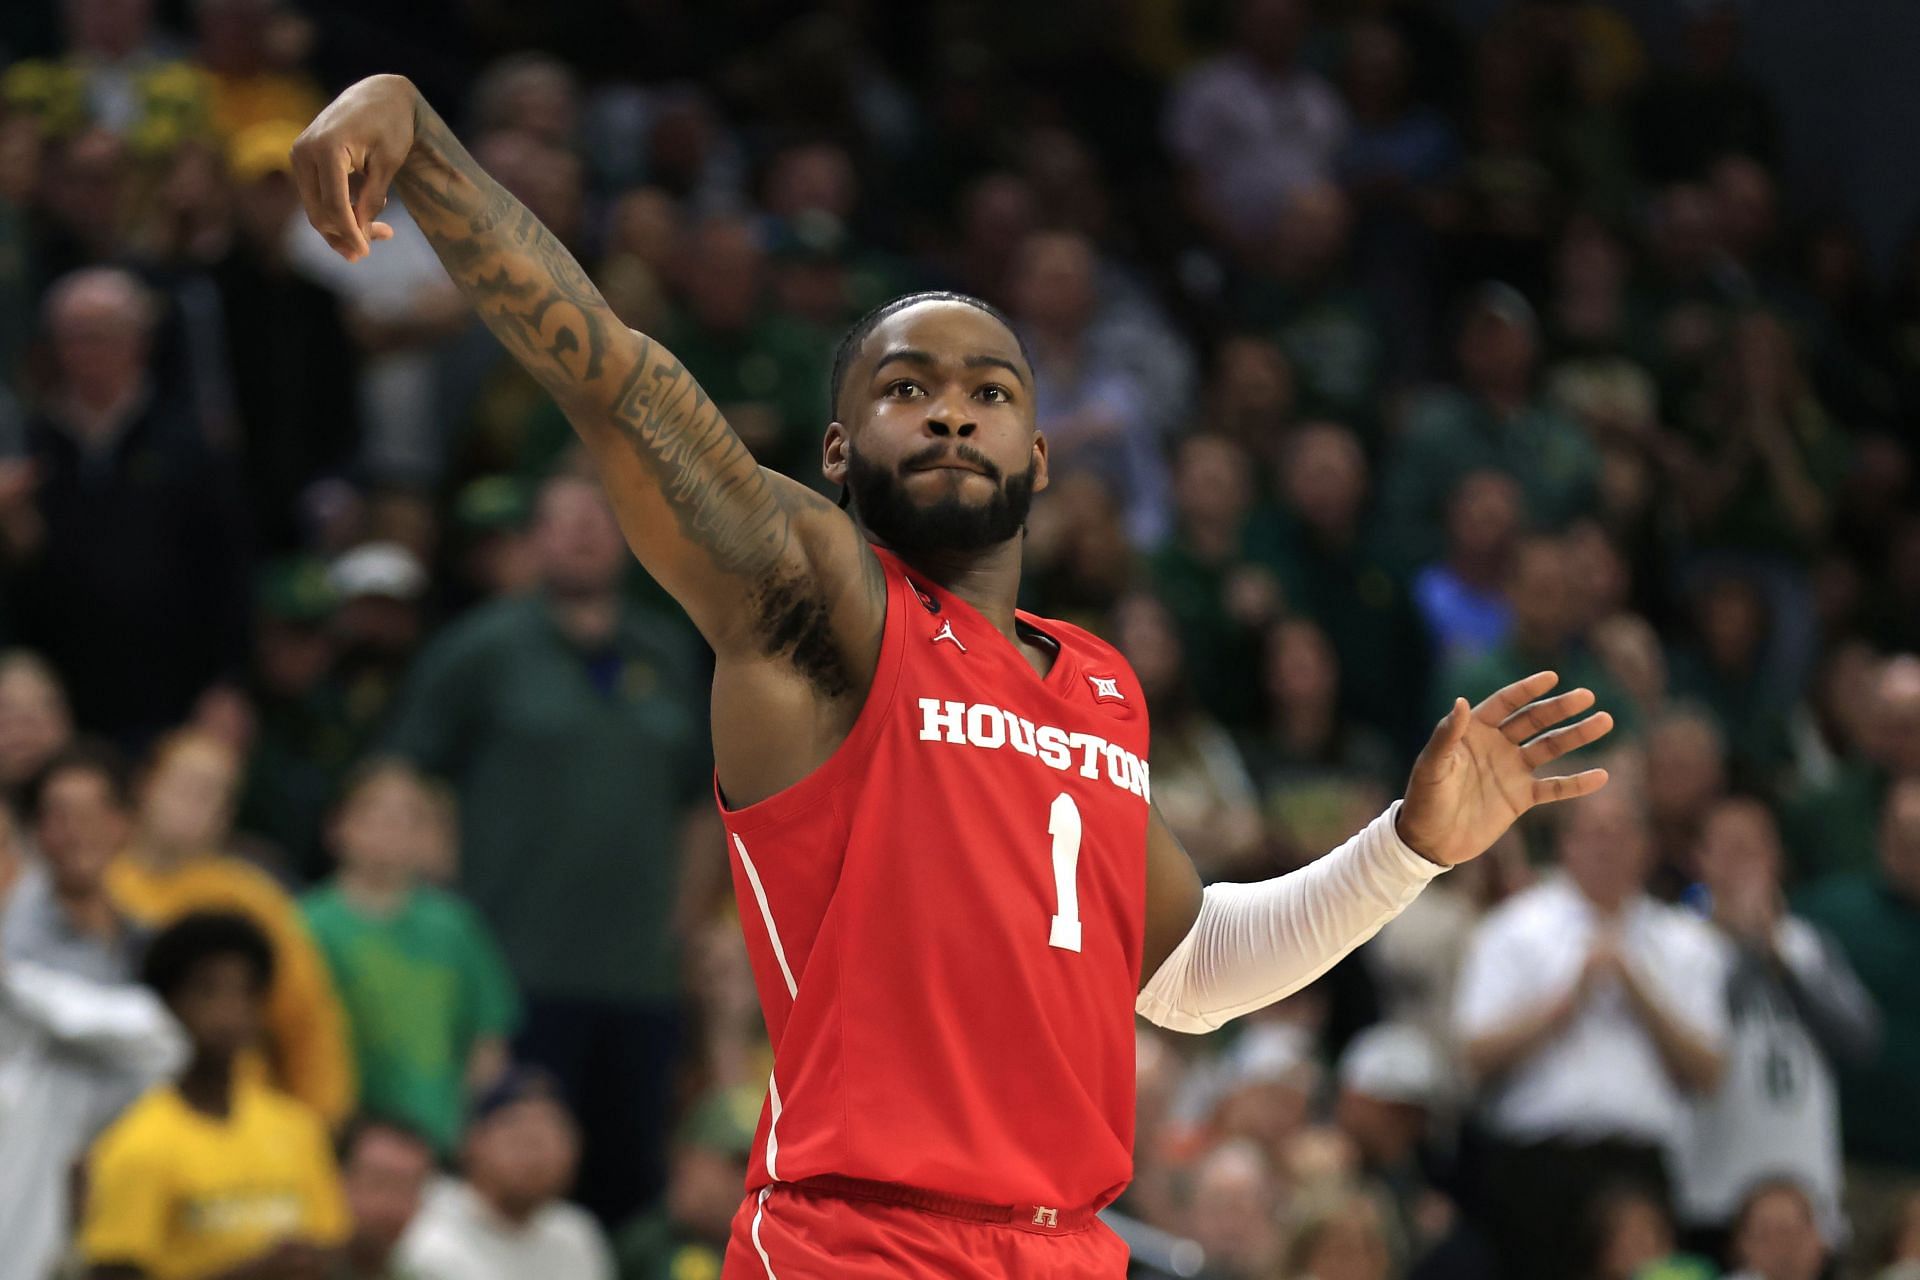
378, 569
1271, 1053
1394, 1063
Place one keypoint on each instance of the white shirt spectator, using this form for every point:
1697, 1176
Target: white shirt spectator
458, 1236
73, 1054
1602, 1077
1253, 137
1776, 1113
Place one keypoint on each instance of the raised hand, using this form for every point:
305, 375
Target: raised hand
1474, 778
361, 139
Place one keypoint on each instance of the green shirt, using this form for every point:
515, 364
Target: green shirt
1880, 933
1835, 826
420, 987
573, 771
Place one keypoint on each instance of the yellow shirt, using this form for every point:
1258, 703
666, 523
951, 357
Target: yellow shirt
182, 1195
308, 1052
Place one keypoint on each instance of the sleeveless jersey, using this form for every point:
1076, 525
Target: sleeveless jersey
945, 919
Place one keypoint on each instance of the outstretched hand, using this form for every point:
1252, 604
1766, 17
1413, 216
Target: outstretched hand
346, 158
1474, 778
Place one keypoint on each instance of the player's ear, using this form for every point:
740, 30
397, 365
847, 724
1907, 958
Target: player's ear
833, 454
1039, 461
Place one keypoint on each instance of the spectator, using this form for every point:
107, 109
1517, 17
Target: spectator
385, 1170
381, 589
1777, 1234
1540, 594
1461, 598
1304, 297
1392, 1082
173, 865
72, 1053
1795, 1010
1335, 568
1876, 919
35, 720
133, 571
1252, 125
686, 1234
215, 1174
1834, 824
1343, 1238
1495, 420
1590, 1014
1724, 673
242, 47
427, 996
535, 708
61, 915
506, 1220
1234, 1212
292, 363
1686, 781
1091, 397
1708, 105
1901, 1254
1631, 1238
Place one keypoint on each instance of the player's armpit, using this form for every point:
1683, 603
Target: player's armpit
1173, 895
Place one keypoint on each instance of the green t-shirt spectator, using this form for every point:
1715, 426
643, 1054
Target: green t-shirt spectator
420, 987
1879, 930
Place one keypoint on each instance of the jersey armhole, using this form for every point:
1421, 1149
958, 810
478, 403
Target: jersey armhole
846, 759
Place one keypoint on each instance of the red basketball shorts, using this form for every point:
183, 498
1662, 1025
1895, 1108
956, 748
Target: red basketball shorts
796, 1233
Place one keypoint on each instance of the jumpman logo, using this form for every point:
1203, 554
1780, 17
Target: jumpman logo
1106, 689
946, 633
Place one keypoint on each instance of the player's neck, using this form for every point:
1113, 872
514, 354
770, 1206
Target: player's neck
988, 580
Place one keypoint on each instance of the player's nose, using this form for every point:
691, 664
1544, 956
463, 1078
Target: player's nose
950, 426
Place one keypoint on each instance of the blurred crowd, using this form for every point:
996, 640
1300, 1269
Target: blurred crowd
362, 908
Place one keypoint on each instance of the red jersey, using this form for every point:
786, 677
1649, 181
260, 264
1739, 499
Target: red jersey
945, 919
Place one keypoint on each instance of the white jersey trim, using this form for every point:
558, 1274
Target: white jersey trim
766, 915
759, 1248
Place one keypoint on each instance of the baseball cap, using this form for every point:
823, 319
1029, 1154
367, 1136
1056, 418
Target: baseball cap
516, 1084
261, 149
378, 569
1270, 1054
1394, 1063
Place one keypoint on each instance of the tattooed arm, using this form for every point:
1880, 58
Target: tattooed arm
765, 566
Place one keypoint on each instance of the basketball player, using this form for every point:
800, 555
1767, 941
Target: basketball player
938, 808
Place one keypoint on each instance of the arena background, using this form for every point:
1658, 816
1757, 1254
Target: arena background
1389, 349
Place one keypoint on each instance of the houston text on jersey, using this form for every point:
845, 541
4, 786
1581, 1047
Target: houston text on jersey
982, 725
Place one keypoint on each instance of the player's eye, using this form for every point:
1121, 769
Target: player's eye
994, 393
905, 388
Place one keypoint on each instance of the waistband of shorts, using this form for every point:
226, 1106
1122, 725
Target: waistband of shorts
1041, 1219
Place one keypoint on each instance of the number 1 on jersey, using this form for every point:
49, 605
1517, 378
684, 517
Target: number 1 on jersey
1063, 824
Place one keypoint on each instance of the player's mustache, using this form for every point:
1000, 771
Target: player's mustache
937, 453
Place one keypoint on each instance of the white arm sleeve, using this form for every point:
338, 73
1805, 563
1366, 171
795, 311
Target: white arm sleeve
123, 1027
1254, 944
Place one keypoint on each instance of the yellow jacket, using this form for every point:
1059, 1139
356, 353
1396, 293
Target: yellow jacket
308, 1052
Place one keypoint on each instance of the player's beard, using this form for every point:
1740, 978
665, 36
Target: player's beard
951, 523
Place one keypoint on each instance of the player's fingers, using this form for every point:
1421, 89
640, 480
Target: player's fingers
1505, 702
1549, 747
342, 231
1452, 727
308, 166
379, 231
376, 176
1538, 717
1568, 786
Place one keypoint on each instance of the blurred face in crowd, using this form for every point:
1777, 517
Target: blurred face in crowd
1054, 282
109, 29
34, 720
233, 34
1892, 720
1686, 767
1146, 634
265, 206
1540, 590
1900, 837
1633, 1233
996, 218
1776, 1237
703, 1189
385, 1175
547, 178
815, 177
1271, 31
724, 274
386, 827
186, 805
1604, 847
1743, 192
1349, 1244
1497, 352
1325, 478
1376, 80
100, 320
533, 94
1212, 484
1254, 385
935, 438
1233, 1210
522, 1156
1483, 517
81, 827
1310, 237
645, 222
576, 540
1740, 850
1387, 1132
1302, 670
221, 1003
